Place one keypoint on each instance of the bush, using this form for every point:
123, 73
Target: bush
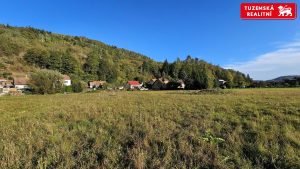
46, 82
6, 75
2, 66
68, 89
78, 86
37, 57
8, 47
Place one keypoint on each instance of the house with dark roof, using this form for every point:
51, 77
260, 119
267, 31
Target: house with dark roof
158, 84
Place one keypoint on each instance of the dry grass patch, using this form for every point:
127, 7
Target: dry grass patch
251, 128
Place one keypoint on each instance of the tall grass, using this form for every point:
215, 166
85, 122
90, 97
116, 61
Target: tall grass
255, 128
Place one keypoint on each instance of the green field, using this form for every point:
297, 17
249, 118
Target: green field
247, 128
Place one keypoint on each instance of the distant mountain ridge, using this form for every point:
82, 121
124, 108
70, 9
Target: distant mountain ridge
283, 78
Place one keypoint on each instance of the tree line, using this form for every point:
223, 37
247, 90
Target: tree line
294, 82
196, 73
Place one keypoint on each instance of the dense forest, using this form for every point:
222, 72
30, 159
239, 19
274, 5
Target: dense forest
25, 50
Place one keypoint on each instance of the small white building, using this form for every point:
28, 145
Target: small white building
181, 84
21, 83
67, 80
133, 85
222, 83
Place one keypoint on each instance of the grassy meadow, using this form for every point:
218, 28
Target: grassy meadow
245, 128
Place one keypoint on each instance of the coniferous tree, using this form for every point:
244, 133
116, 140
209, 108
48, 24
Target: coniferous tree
182, 74
188, 58
145, 67
165, 68
175, 69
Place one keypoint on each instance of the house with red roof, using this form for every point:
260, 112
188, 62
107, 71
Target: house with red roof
133, 85
67, 80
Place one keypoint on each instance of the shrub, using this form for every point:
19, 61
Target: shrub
78, 86
46, 82
68, 89
6, 75
8, 47
2, 66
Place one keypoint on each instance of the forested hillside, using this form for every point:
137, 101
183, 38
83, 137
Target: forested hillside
26, 50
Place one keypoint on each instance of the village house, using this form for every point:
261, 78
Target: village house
222, 83
133, 85
6, 83
21, 83
5, 86
1, 88
4, 90
2, 82
165, 84
96, 84
151, 82
158, 84
67, 80
181, 84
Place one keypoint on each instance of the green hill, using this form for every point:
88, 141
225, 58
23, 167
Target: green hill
25, 49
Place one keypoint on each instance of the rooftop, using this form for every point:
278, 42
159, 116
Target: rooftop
134, 83
21, 81
66, 77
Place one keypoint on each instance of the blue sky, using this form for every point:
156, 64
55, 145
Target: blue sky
167, 29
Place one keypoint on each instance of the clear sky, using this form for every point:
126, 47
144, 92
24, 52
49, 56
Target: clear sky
167, 29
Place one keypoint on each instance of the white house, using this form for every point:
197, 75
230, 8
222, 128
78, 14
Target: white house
21, 83
181, 84
133, 85
67, 80
222, 83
